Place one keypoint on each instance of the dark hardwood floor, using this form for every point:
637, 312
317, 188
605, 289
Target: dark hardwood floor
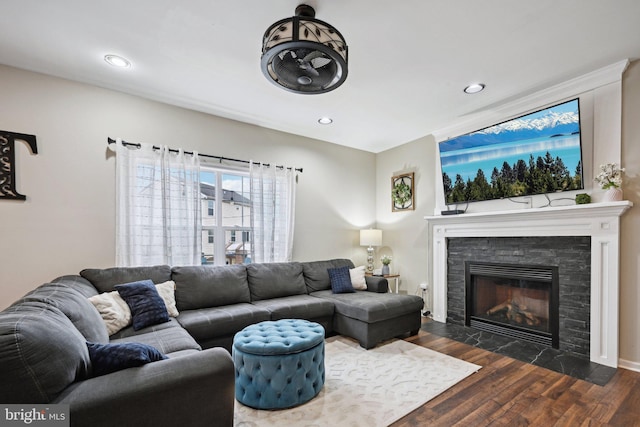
507, 392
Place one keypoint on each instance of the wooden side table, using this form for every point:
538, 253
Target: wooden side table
393, 276
396, 277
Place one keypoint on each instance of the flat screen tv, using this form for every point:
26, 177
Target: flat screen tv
536, 153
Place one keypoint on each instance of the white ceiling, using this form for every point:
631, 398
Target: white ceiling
408, 60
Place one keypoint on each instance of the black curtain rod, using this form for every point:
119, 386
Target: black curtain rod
173, 150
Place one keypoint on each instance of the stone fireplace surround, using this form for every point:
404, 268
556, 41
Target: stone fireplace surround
599, 221
571, 254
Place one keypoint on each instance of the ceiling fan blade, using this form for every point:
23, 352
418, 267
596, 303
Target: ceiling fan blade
311, 71
320, 62
313, 55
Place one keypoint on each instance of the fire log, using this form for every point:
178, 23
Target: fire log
515, 312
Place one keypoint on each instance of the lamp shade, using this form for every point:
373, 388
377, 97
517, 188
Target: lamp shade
370, 237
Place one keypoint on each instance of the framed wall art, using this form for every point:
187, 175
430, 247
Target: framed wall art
402, 193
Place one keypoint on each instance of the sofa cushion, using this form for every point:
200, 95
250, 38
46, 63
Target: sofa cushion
297, 307
78, 283
168, 340
41, 353
113, 310
207, 323
107, 358
340, 280
371, 307
167, 292
130, 332
358, 278
205, 286
274, 280
75, 306
105, 279
146, 304
316, 276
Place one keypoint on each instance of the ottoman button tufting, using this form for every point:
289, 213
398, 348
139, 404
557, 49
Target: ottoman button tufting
279, 364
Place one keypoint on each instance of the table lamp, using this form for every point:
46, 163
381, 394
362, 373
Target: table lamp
370, 238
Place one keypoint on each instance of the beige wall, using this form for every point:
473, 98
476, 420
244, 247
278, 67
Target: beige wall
404, 234
630, 223
67, 222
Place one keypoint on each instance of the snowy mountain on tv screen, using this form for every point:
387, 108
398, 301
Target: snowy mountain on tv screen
550, 124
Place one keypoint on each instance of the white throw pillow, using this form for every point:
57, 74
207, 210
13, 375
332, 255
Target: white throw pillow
357, 278
167, 293
115, 311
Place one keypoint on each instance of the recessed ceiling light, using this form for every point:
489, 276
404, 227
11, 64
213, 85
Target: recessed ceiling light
325, 120
474, 88
117, 61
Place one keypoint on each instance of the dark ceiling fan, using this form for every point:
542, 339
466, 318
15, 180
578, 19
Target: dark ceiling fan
303, 54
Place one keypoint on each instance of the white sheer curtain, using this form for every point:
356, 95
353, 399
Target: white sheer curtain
272, 213
158, 206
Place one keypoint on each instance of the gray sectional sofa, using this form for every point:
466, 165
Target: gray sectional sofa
43, 336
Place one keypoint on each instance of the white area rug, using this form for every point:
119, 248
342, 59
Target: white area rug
367, 387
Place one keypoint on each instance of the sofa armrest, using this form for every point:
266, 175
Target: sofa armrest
377, 284
189, 390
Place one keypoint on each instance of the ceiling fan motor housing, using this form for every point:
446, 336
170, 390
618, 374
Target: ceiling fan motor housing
303, 54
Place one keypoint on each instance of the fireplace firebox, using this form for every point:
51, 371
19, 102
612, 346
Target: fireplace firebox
517, 301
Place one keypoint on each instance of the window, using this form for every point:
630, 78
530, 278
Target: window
158, 221
187, 214
225, 193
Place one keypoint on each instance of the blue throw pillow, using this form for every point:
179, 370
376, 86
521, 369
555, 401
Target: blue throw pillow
147, 306
340, 280
107, 358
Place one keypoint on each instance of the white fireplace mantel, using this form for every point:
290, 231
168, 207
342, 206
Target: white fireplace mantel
600, 221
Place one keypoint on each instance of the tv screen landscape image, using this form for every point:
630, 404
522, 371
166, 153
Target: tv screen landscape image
536, 153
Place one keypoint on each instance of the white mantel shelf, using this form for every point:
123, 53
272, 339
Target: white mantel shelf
600, 221
573, 212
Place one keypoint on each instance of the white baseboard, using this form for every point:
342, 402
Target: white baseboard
627, 364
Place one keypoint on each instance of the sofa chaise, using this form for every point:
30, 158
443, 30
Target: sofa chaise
44, 336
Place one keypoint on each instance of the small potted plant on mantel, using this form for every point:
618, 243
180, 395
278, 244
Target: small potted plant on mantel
386, 260
610, 179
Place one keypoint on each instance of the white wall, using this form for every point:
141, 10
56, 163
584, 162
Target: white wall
67, 222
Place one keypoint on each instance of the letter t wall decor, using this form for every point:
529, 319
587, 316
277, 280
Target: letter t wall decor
8, 162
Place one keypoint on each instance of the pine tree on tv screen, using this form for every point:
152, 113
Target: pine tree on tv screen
532, 154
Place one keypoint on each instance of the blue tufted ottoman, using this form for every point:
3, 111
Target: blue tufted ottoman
279, 364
